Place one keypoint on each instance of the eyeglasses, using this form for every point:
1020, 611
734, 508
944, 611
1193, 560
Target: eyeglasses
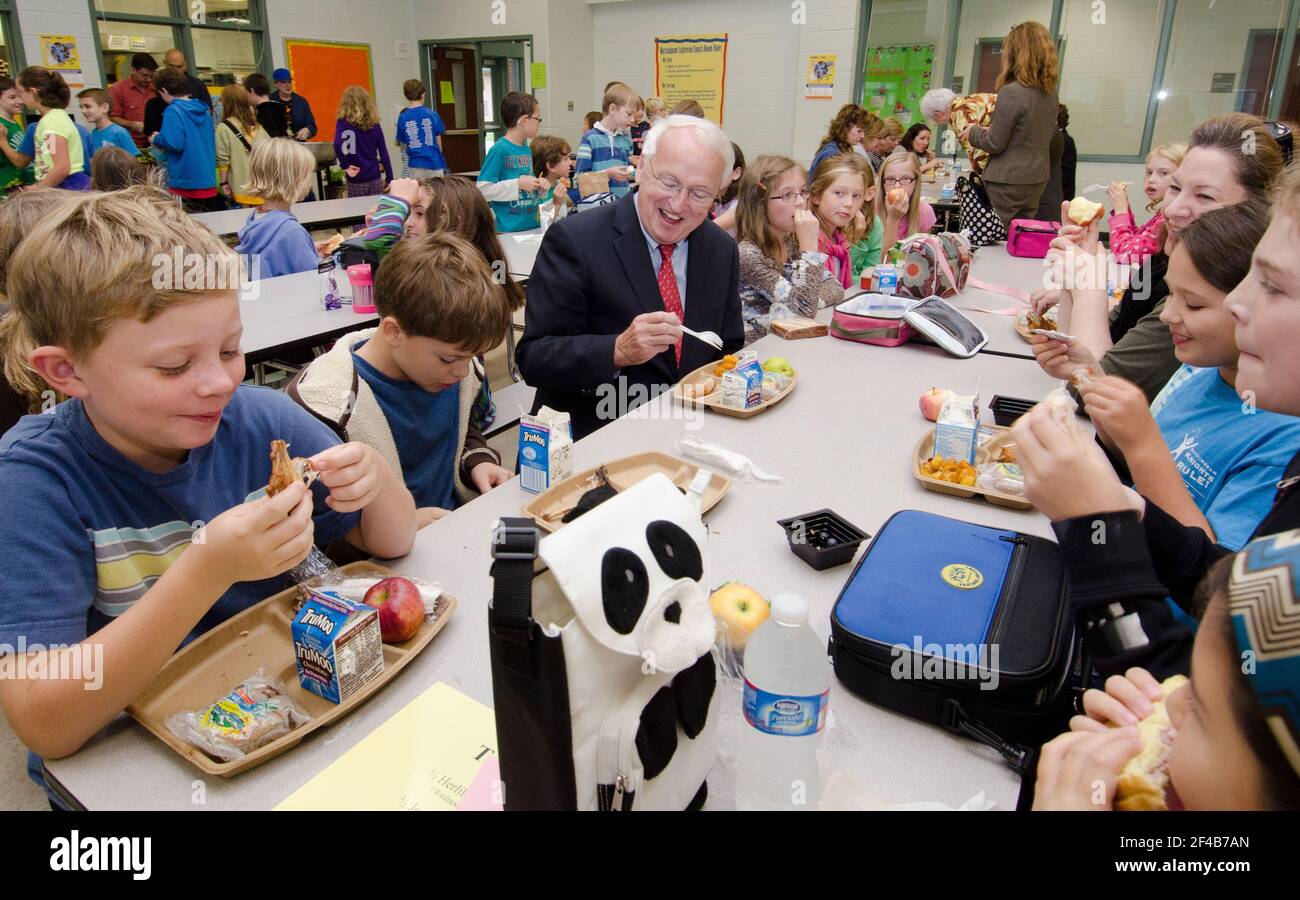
905, 180
536, 119
792, 196
697, 195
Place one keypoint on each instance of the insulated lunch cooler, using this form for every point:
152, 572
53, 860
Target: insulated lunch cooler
963, 626
872, 319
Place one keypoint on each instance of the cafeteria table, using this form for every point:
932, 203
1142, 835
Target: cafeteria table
842, 439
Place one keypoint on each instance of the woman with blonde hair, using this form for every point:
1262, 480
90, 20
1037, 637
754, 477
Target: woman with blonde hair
359, 144
778, 236
875, 138
1019, 135
236, 135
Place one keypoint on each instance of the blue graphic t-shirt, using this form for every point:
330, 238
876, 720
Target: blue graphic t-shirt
506, 161
418, 129
1229, 454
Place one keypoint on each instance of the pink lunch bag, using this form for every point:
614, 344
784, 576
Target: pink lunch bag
1030, 237
872, 319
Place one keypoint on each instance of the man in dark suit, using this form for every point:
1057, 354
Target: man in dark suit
611, 287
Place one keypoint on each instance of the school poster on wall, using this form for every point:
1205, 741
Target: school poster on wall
820, 83
895, 80
692, 67
59, 52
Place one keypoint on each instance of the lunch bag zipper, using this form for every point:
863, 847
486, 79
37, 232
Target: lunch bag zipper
1010, 584
615, 747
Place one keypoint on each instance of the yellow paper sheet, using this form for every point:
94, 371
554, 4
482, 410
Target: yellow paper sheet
424, 757
446, 94
539, 75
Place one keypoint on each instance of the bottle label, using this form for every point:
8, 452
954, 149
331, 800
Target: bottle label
783, 714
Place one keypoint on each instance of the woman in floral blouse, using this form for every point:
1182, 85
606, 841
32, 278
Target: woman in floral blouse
946, 108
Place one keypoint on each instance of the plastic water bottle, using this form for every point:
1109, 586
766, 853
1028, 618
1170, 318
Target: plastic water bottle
787, 698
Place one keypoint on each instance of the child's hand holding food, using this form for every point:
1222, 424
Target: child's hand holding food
1079, 770
1066, 473
257, 539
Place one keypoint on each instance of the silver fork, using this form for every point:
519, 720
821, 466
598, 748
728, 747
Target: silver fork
709, 337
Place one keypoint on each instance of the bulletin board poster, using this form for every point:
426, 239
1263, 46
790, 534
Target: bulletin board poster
820, 83
321, 70
59, 52
692, 67
895, 80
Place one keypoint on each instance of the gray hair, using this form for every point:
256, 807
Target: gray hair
936, 100
705, 132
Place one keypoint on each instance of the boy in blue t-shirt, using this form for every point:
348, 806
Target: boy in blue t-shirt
507, 179
607, 147
136, 514
95, 106
419, 132
408, 387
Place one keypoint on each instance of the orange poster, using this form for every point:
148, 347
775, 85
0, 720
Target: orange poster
321, 70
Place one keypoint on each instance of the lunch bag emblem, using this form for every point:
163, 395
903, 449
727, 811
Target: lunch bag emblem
962, 576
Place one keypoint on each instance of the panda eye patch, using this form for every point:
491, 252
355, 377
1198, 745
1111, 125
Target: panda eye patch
675, 551
624, 588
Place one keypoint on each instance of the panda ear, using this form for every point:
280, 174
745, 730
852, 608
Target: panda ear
675, 550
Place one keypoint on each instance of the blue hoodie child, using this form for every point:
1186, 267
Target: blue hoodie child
188, 137
280, 243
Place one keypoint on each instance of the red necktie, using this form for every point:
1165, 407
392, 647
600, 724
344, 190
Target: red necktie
668, 289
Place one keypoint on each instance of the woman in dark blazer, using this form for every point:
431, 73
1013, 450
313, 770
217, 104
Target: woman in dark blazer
1019, 137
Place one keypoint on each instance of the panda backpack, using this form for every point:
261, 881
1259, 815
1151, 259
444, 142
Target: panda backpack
603, 677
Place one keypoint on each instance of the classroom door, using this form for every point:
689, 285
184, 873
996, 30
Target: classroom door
456, 87
501, 75
1257, 80
988, 64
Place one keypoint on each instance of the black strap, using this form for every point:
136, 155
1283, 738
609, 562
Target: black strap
956, 719
510, 615
237, 133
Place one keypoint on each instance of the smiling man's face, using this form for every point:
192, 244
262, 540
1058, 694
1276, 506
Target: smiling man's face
681, 164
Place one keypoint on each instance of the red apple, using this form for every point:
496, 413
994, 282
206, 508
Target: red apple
932, 403
401, 608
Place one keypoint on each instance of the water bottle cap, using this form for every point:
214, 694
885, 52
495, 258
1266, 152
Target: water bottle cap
790, 609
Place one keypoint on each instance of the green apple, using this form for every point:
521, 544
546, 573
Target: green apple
779, 365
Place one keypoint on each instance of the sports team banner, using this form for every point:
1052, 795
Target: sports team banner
692, 67
895, 79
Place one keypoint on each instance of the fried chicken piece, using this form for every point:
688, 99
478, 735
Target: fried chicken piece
285, 471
